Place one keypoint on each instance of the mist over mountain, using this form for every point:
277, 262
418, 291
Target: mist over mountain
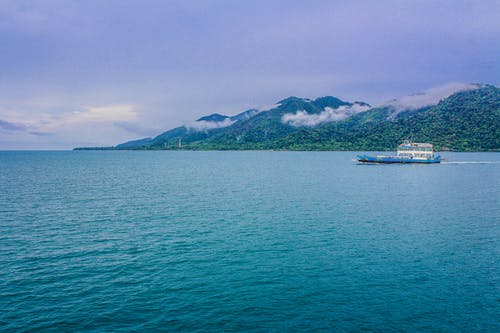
452, 117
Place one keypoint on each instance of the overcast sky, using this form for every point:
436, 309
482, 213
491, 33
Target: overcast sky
85, 73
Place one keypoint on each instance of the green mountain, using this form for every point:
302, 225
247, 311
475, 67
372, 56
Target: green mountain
464, 121
290, 115
247, 129
201, 129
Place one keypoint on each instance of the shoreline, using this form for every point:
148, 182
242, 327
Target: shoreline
283, 150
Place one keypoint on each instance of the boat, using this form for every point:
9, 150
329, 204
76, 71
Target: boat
407, 152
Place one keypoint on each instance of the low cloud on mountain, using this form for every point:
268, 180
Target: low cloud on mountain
268, 107
302, 118
429, 97
203, 125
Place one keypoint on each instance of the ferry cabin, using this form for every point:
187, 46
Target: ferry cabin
421, 151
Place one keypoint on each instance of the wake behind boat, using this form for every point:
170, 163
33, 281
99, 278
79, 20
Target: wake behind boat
407, 152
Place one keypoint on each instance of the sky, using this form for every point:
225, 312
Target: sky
101, 72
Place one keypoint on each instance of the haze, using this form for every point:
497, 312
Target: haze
97, 73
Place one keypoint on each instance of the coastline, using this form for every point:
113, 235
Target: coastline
496, 150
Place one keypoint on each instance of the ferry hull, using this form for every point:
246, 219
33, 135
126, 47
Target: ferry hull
395, 159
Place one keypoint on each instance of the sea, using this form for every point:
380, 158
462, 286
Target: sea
251, 241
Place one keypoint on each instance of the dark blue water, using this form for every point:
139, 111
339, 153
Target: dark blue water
257, 241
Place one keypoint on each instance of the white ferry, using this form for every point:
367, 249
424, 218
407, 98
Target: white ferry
408, 152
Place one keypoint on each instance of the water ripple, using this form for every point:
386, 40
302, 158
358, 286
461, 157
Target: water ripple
246, 241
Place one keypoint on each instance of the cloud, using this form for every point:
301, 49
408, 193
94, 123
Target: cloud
202, 125
268, 107
302, 118
109, 113
427, 98
114, 113
100, 124
9, 126
136, 128
208, 125
37, 133
22, 17
90, 115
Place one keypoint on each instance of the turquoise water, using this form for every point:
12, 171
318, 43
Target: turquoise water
247, 241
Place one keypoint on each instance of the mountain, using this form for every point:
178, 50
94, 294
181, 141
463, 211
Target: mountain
220, 118
453, 117
249, 127
288, 116
201, 129
214, 118
465, 121
134, 143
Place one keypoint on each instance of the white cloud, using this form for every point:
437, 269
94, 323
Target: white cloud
268, 107
427, 98
208, 125
108, 113
302, 118
97, 125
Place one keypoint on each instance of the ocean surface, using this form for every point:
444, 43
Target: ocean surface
120, 241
